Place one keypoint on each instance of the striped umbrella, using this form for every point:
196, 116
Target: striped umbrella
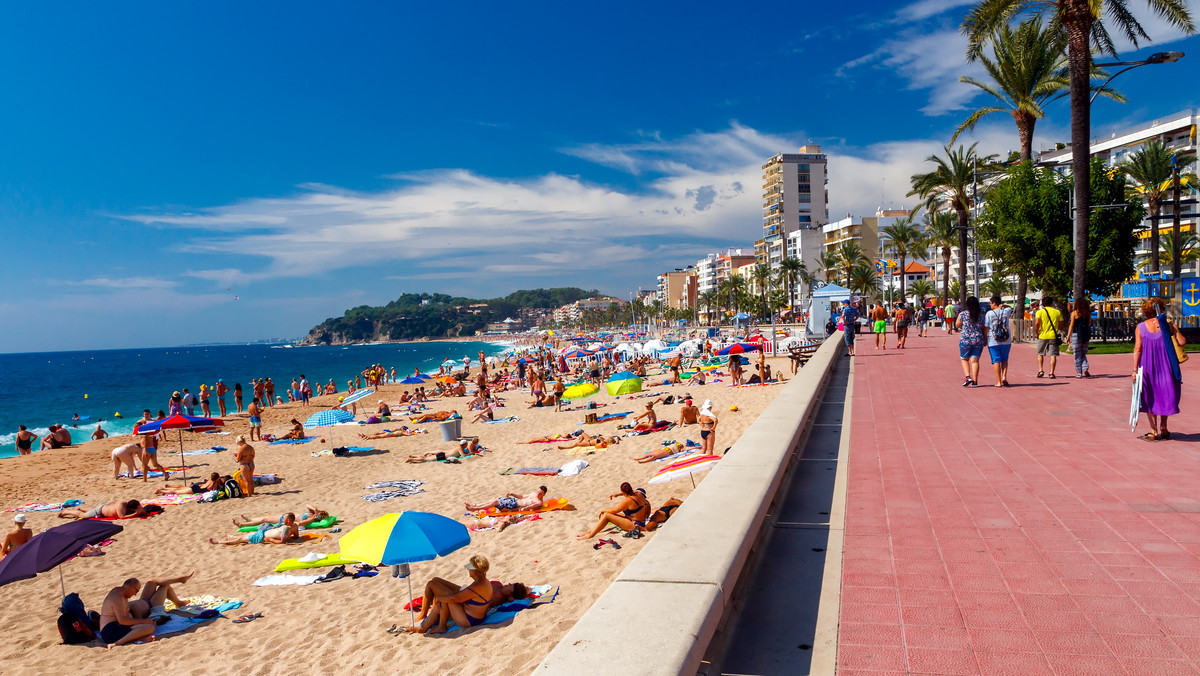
577, 353
686, 467
329, 417
739, 348
361, 394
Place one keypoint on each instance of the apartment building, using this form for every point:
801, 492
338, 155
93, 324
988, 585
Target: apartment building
717, 267
863, 230
574, 311
677, 289
795, 198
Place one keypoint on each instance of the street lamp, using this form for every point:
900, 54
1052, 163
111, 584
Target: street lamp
1153, 59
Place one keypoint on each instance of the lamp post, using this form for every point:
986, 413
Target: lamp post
1154, 59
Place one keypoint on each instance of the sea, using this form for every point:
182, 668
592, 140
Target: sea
111, 387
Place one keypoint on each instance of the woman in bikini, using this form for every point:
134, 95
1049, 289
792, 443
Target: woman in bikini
660, 515
631, 513
585, 439
650, 416
445, 601
708, 427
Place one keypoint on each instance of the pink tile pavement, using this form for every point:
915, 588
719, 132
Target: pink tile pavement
1022, 530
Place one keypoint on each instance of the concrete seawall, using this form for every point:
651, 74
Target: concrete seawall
661, 613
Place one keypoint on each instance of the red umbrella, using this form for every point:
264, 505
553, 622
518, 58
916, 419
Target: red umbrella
180, 422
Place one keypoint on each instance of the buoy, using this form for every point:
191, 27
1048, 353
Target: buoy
117, 414
85, 396
733, 408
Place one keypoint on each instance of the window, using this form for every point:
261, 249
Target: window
805, 219
805, 187
802, 168
805, 198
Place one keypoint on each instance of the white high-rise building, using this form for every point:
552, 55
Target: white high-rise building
795, 198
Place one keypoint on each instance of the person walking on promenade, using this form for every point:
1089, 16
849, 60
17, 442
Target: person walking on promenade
1154, 351
923, 322
1080, 331
849, 319
950, 313
878, 316
999, 338
1047, 322
902, 316
972, 337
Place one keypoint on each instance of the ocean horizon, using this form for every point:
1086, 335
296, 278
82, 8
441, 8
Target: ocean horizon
38, 389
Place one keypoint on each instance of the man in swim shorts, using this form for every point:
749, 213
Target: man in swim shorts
127, 509
221, 390
123, 621
255, 412
268, 533
512, 501
878, 316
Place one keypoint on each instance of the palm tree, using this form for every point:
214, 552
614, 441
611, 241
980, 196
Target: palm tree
956, 288
996, 286
829, 264
941, 233
862, 279
707, 300
1189, 248
952, 183
762, 282
922, 289
1151, 168
792, 270
905, 238
850, 255
1083, 24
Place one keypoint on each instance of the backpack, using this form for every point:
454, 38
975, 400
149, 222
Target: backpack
1001, 331
233, 489
75, 624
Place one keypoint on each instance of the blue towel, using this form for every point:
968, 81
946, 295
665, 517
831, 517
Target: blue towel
293, 441
360, 448
503, 420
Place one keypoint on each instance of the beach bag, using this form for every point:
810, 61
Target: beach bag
233, 489
75, 624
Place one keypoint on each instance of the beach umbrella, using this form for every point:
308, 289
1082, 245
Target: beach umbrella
686, 467
412, 380
739, 348
623, 375
577, 353
361, 394
328, 417
758, 338
741, 315
188, 423
579, 391
53, 546
623, 386
401, 539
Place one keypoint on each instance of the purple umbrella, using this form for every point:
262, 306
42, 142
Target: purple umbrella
53, 546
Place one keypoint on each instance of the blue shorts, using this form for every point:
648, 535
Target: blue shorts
506, 503
969, 351
999, 353
848, 335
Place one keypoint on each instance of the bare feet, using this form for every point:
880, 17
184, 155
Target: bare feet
414, 630
440, 629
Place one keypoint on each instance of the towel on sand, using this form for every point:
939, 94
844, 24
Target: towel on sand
511, 418
293, 441
509, 610
285, 580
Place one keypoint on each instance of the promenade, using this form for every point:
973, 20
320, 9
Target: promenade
1022, 530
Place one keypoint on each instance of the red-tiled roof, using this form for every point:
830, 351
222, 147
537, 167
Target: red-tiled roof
915, 268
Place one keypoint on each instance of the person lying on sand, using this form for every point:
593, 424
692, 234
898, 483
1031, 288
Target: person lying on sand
507, 593
434, 416
465, 447
630, 513
127, 509
297, 431
214, 483
550, 438
389, 434
651, 418
541, 400
445, 601
512, 502
585, 439
660, 515
656, 454
269, 533
497, 522
123, 621
310, 515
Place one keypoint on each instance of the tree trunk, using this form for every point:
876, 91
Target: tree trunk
1078, 19
945, 275
1176, 236
962, 255
1155, 211
1019, 306
903, 298
1025, 123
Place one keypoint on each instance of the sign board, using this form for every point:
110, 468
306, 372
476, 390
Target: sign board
1191, 296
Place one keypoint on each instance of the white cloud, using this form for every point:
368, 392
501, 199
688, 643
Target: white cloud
924, 9
126, 283
927, 60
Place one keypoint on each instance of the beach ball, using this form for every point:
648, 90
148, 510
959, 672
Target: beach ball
733, 408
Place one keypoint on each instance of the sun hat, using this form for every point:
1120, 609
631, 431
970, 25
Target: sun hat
20, 518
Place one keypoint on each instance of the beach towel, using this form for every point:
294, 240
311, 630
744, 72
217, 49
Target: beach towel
573, 468
606, 417
585, 450
388, 495
547, 506
165, 500
555, 439
285, 580
511, 418
351, 449
477, 526
154, 474
538, 471
177, 623
194, 605
305, 538
203, 451
328, 560
293, 441
44, 506
509, 610
394, 484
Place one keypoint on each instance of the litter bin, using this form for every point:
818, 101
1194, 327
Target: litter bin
451, 429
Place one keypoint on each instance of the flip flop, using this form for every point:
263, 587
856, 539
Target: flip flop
613, 543
1149, 436
248, 617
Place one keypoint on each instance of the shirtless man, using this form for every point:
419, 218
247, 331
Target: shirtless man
25, 440
150, 456
126, 454
465, 447
16, 537
244, 455
221, 390
275, 533
123, 621
512, 502
689, 413
127, 509
57, 437
255, 412
559, 388
99, 434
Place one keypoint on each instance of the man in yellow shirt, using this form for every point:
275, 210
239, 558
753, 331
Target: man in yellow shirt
1048, 325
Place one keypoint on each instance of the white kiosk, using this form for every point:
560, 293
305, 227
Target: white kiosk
818, 314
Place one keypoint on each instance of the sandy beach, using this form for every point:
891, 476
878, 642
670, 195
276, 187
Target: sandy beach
341, 626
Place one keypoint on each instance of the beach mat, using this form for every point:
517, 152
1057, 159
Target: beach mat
547, 506
509, 610
538, 471
305, 538
292, 441
327, 522
511, 418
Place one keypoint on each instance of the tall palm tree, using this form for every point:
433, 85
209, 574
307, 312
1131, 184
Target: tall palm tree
850, 255
952, 183
1083, 22
829, 264
861, 279
762, 282
922, 289
708, 300
792, 270
1189, 249
998, 285
1151, 168
905, 239
941, 233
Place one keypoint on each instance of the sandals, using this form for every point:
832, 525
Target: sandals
600, 543
248, 617
1041, 374
1149, 436
1164, 435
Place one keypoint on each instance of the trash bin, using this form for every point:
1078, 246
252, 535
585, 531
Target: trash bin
451, 429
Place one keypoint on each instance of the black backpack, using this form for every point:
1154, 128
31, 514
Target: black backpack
1000, 333
75, 624
233, 489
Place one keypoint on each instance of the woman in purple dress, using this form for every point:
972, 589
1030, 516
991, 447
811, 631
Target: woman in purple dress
1153, 351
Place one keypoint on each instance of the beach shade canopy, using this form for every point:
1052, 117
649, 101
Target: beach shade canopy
623, 375
741, 315
623, 386
686, 467
412, 380
654, 346
424, 376
183, 423
580, 391
739, 348
404, 538
577, 353
328, 417
53, 546
361, 394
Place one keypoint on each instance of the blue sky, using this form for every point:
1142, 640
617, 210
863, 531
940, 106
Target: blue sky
176, 173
